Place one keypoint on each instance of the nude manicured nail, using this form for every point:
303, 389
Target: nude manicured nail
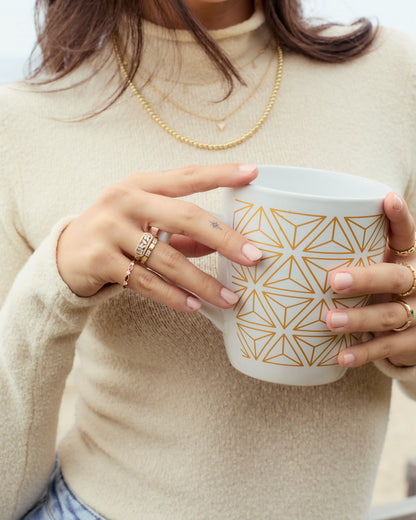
229, 296
342, 281
193, 303
397, 203
251, 252
348, 359
339, 319
247, 168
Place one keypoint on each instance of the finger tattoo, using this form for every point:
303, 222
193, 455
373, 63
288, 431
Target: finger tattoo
215, 225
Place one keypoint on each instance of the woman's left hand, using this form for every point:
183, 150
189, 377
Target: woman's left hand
385, 281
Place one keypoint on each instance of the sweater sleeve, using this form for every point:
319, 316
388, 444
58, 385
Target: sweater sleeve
407, 376
40, 321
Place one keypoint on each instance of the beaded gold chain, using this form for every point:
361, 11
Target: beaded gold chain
220, 121
193, 142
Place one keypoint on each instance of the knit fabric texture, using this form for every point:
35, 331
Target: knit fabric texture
165, 428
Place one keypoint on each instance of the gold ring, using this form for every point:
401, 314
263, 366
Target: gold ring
142, 246
410, 315
128, 273
413, 288
405, 252
144, 258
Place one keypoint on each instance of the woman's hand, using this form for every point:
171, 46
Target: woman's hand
385, 281
97, 247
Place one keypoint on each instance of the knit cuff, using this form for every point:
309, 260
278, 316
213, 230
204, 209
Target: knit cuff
39, 289
54, 279
406, 376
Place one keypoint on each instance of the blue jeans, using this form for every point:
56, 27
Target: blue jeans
59, 503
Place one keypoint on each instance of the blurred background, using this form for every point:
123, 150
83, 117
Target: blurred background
16, 41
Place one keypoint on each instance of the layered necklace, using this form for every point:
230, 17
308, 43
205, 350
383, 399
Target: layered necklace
220, 122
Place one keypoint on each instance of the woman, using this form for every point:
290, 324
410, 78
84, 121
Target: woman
165, 427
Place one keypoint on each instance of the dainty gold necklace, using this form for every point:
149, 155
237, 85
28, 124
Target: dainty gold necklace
221, 122
193, 142
186, 84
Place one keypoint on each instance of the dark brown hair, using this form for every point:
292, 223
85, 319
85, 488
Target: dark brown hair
71, 31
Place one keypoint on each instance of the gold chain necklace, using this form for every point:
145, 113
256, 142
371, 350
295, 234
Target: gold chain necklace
193, 142
220, 121
186, 84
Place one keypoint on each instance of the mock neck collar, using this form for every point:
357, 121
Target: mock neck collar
175, 52
257, 19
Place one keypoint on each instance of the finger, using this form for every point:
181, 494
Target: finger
376, 318
194, 179
172, 265
189, 247
374, 279
147, 283
176, 268
402, 225
184, 218
399, 348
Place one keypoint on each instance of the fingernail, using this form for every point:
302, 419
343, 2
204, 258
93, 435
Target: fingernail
397, 203
252, 253
348, 359
229, 296
193, 303
247, 168
342, 281
339, 319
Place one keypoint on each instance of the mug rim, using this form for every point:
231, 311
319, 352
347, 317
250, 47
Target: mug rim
381, 186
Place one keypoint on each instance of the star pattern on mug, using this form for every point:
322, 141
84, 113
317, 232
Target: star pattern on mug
285, 298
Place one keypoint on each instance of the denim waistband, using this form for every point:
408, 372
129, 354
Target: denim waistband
60, 503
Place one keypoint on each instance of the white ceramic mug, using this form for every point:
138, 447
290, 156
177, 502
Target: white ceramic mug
307, 223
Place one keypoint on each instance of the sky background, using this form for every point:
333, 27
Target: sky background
17, 32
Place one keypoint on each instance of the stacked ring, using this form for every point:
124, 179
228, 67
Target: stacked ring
144, 248
405, 252
413, 287
143, 259
128, 273
410, 315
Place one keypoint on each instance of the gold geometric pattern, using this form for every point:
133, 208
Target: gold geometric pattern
240, 212
284, 299
314, 321
296, 227
253, 311
253, 340
326, 241
259, 229
349, 302
321, 269
283, 353
286, 308
268, 261
330, 357
289, 277
379, 237
313, 347
363, 228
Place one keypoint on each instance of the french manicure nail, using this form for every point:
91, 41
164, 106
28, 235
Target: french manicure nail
252, 253
339, 319
247, 168
397, 203
342, 281
348, 359
193, 303
229, 296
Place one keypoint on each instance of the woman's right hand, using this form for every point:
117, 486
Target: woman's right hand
96, 248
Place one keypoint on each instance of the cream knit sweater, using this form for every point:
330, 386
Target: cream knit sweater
165, 428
